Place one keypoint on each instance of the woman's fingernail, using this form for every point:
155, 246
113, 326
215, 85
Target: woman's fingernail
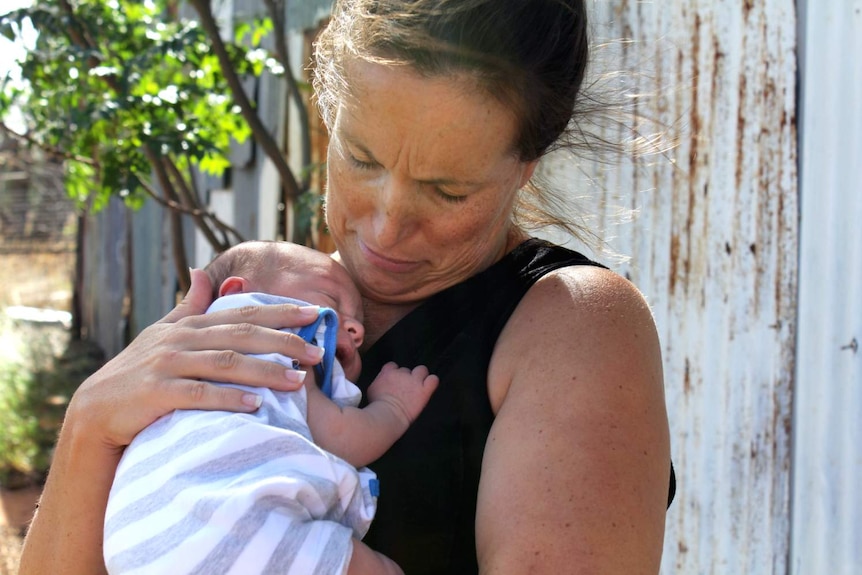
314, 352
252, 400
294, 376
309, 310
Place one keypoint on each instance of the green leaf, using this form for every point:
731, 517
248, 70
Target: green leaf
144, 80
214, 165
7, 30
240, 30
262, 29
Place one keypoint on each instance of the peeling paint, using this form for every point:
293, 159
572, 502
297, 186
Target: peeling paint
714, 249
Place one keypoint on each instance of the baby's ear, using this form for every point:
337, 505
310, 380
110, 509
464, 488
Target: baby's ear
233, 285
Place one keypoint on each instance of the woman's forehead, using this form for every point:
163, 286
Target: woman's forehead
429, 123
364, 81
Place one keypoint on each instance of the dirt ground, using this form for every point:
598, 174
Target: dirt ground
42, 281
16, 508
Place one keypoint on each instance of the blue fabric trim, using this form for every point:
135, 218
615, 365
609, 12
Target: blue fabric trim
374, 487
323, 370
327, 316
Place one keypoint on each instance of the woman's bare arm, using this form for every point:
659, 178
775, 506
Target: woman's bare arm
575, 472
160, 371
66, 533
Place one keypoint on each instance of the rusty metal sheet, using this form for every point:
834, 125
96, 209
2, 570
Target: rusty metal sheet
713, 246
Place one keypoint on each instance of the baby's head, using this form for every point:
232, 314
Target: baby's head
291, 270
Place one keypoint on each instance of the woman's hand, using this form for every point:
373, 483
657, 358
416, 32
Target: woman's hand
166, 366
161, 370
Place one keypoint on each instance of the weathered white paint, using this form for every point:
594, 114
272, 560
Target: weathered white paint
105, 276
827, 469
268, 199
221, 203
713, 245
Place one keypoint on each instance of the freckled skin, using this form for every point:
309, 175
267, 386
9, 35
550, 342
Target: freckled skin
430, 204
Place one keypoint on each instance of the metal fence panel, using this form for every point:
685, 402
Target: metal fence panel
827, 463
713, 245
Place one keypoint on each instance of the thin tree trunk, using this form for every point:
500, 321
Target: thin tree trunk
181, 263
261, 135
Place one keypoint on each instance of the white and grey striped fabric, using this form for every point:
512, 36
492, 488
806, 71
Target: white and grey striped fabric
214, 492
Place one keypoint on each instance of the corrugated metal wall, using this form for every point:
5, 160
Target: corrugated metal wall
103, 295
714, 248
827, 463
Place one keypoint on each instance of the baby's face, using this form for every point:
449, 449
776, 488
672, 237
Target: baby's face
314, 277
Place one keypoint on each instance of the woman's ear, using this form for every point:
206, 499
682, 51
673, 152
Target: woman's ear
233, 285
529, 168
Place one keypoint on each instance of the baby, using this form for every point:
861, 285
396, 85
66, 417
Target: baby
284, 489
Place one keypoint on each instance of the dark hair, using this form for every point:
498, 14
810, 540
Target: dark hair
531, 54
258, 258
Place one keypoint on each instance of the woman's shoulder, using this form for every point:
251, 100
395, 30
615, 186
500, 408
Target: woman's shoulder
576, 386
584, 318
588, 292
574, 300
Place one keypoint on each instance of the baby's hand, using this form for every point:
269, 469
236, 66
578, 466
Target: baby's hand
408, 391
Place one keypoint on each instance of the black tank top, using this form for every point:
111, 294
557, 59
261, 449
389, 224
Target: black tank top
429, 479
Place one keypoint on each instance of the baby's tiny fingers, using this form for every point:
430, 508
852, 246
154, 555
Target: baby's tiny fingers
431, 382
420, 371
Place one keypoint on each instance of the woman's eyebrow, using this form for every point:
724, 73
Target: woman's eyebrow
358, 145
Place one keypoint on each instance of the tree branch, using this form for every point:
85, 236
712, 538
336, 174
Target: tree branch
172, 205
180, 261
275, 8
192, 204
79, 38
197, 193
261, 135
52, 151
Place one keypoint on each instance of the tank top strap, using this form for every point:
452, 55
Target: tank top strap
484, 302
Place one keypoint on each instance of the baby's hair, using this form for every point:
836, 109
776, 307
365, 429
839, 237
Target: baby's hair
255, 258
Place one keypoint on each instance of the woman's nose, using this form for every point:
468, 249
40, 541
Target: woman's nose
393, 217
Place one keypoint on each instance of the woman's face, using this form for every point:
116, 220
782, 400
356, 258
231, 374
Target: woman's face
422, 176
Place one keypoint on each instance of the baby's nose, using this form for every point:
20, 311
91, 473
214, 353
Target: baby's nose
355, 330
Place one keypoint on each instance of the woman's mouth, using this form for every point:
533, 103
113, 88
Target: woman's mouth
386, 263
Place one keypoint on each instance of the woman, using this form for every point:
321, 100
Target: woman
545, 448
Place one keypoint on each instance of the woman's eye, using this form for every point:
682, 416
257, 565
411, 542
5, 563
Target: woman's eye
361, 164
449, 197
